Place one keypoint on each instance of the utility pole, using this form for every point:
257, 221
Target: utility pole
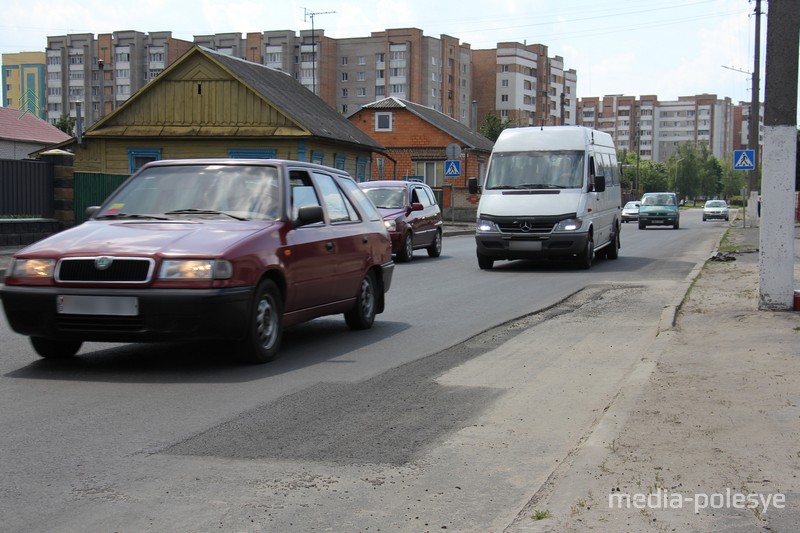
311, 15
776, 236
755, 112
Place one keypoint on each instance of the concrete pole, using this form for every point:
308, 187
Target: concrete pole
776, 246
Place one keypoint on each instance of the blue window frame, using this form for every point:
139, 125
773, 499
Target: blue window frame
339, 161
137, 157
361, 169
318, 157
251, 153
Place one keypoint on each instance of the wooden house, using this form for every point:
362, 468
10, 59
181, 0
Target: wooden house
211, 105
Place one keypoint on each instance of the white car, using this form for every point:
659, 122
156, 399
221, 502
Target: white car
715, 209
630, 211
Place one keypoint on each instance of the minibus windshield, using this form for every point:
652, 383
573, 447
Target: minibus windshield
536, 170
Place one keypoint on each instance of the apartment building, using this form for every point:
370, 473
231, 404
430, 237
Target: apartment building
655, 128
521, 83
352, 72
98, 75
24, 87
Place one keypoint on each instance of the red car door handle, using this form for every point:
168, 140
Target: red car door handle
329, 246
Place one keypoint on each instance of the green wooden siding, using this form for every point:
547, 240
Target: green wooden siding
92, 189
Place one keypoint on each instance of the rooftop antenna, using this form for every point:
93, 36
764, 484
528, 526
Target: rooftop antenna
311, 14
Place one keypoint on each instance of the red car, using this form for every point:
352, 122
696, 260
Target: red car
232, 250
411, 215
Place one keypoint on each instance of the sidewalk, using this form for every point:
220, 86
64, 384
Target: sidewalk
711, 440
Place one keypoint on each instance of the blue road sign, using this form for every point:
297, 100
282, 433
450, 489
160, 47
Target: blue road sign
452, 168
744, 159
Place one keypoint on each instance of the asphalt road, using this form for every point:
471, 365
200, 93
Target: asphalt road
449, 413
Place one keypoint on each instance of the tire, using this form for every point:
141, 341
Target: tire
704, 219
585, 257
612, 250
485, 263
435, 249
642, 225
362, 315
406, 252
55, 349
266, 325
676, 225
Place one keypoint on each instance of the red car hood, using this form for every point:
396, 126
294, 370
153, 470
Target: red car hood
196, 238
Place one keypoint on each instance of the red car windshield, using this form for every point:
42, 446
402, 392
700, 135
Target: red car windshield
237, 191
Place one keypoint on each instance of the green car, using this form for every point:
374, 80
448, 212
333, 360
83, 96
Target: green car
659, 208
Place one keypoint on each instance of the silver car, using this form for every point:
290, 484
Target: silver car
630, 211
715, 209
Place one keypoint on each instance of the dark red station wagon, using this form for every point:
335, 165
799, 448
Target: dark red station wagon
186, 250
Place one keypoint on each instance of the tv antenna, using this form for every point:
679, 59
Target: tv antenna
307, 14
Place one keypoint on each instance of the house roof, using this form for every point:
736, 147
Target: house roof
452, 127
17, 125
278, 89
294, 100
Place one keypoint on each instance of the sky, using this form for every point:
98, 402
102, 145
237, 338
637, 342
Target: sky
668, 48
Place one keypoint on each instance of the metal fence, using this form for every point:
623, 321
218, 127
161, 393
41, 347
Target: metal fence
26, 188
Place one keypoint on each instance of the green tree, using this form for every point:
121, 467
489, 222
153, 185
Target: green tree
653, 177
709, 173
66, 124
492, 126
731, 180
684, 166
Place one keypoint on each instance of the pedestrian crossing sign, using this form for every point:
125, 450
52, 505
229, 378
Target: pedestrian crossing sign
744, 159
452, 168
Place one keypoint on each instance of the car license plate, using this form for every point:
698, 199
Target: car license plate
97, 305
525, 246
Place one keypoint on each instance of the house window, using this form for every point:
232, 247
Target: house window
380, 57
344, 93
361, 91
317, 157
503, 68
504, 98
344, 76
137, 157
383, 122
344, 60
504, 83
361, 76
362, 60
380, 90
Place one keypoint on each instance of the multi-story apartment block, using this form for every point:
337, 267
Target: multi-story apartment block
654, 129
519, 82
24, 87
99, 74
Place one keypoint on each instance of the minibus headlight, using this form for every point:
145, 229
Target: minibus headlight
487, 226
569, 224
